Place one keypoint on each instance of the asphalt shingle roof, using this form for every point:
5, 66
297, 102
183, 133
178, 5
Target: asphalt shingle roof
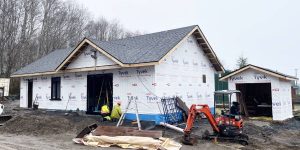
133, 50
46, 63
144, 48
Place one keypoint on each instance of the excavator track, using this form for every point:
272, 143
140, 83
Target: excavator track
241, 139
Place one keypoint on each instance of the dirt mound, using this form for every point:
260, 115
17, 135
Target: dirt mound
276, 135
43, 124
37, 125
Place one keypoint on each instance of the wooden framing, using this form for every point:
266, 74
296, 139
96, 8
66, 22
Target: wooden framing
105, 53
258, 69
85, 40
141, 64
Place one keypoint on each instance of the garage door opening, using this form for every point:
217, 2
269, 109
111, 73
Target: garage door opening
257, 98
99, 92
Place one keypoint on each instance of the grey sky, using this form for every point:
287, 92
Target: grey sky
265, 31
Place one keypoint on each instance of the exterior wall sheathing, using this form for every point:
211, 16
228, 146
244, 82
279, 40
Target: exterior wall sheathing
180, 74
281, 91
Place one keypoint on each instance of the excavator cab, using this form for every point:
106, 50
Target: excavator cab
226, 108
230, 112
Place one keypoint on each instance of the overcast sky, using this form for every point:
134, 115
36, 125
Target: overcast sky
267, 32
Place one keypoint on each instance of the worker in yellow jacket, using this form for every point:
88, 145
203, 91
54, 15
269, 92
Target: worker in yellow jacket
105, 113
116, 112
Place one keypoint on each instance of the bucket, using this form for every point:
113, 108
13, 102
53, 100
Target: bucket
35, 105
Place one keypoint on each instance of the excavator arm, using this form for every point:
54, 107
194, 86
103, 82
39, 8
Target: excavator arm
228, 131
193, 113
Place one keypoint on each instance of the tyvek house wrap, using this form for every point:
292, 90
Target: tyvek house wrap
281, 91
180, 74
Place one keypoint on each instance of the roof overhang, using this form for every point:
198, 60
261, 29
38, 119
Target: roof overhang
284, 77
108, 67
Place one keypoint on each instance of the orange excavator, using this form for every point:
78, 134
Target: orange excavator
228, 126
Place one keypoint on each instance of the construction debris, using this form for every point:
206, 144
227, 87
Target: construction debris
132, 142
124, 137
87, 130
53, 130
171, 127
125, 131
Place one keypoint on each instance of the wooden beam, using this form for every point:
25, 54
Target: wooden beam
108, 67
125, 131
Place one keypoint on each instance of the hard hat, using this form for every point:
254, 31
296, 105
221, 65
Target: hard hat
119, 102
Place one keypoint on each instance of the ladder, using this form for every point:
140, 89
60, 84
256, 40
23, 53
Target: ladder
120, 122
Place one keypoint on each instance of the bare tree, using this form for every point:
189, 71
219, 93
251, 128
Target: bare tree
30, 29
242, 62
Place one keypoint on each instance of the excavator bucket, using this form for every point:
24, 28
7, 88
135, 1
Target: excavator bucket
189, 140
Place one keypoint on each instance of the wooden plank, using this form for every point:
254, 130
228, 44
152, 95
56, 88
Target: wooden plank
125, 131
184, 108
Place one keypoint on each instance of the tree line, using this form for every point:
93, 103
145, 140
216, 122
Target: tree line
30, 29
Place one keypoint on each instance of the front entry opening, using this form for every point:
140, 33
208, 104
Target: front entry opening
257, 97
29, 94
99, 92
1, 92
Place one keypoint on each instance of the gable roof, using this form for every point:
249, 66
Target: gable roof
143, 50
260, 69
47, 63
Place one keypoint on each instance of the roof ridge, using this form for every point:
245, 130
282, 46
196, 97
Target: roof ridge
144, 34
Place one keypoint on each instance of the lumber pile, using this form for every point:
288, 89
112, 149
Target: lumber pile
125, 131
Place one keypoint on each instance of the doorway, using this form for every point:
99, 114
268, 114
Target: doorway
99, 92
29, 94
257, 98
1, 92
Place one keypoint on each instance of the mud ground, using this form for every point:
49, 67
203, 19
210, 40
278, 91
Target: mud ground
30, 130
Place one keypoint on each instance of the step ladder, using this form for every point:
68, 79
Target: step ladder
121, 120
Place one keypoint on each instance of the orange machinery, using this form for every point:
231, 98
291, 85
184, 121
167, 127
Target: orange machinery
227, 126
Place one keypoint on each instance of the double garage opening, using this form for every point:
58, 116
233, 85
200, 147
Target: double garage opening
257, 98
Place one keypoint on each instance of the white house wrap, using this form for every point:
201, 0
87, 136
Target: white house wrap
280, 89
146, 68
